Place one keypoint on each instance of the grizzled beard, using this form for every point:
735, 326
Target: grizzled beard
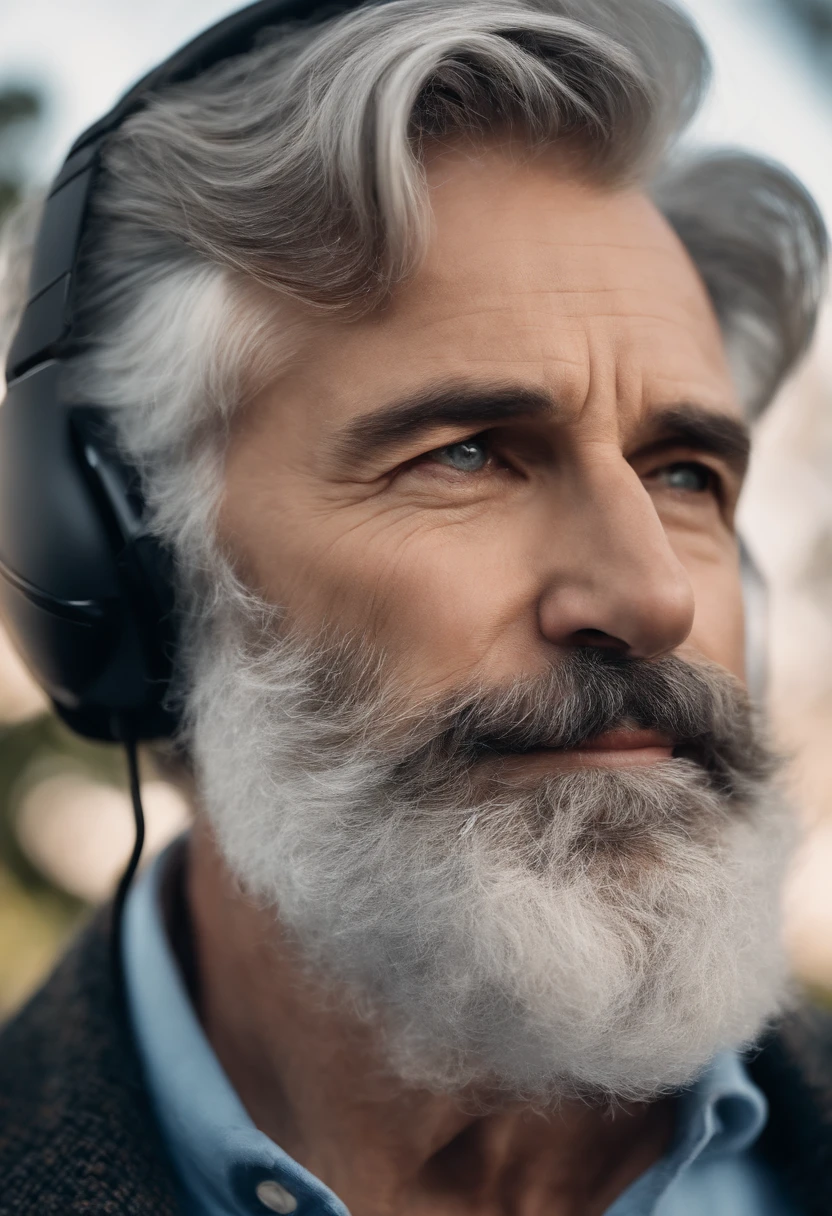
597, 933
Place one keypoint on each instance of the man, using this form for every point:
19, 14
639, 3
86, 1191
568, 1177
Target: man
437, 366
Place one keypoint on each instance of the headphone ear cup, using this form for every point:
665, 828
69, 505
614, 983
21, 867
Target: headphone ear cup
755, 596
82, 580
142, 561
144, 571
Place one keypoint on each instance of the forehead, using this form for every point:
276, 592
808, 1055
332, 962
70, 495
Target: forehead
534, 276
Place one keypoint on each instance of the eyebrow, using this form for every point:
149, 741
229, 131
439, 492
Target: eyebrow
382, 430
390, 426
693, 426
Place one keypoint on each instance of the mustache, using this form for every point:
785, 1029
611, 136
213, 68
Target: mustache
703, 708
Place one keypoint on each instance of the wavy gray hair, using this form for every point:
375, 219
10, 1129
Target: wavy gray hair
288, 183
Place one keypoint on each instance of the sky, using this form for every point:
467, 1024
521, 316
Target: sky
86, 52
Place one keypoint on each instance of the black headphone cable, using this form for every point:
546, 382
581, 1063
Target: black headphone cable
120, 898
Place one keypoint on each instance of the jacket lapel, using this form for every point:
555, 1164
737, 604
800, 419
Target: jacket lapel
794, 1070
77, 1134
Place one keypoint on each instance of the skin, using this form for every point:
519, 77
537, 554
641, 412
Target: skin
587, 525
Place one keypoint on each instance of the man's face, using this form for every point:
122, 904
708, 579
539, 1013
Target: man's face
537, 446
517, 484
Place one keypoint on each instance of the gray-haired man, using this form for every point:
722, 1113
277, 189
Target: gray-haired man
438, 367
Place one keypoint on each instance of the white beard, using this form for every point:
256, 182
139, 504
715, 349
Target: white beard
603, 934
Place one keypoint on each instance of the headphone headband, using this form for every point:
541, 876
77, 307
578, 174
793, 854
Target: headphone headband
85, 590
233, 35
45, 327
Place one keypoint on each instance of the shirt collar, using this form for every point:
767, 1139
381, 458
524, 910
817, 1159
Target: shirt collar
724, 1112
721, 1115
221, 1157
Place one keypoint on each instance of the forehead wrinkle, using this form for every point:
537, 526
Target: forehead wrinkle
536, 308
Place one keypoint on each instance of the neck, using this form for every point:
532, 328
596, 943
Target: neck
308, 1070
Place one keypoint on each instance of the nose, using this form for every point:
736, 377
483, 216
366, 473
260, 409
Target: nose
612, 577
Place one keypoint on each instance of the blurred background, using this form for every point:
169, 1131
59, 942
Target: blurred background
65, 819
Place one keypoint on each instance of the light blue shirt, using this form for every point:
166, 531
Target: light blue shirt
222, 1160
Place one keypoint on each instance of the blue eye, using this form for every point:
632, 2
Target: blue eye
691, 477
468, 457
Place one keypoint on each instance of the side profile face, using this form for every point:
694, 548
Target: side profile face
537, 446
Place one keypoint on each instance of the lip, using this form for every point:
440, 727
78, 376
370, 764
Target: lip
628, 739
623, 747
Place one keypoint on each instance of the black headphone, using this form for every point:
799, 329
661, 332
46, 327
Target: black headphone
86, 591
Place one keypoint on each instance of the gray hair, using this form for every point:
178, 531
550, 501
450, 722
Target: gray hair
289, 183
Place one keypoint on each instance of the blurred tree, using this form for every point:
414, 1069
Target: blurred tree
813, 21
20, 108
815, 15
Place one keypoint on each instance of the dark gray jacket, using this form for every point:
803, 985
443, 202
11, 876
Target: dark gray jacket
78, 1137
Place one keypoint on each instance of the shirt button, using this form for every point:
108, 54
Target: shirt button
275, 1197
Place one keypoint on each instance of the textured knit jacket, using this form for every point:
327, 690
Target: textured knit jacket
78, 1136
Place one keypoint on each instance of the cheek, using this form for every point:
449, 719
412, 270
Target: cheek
442, 599
438, 603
